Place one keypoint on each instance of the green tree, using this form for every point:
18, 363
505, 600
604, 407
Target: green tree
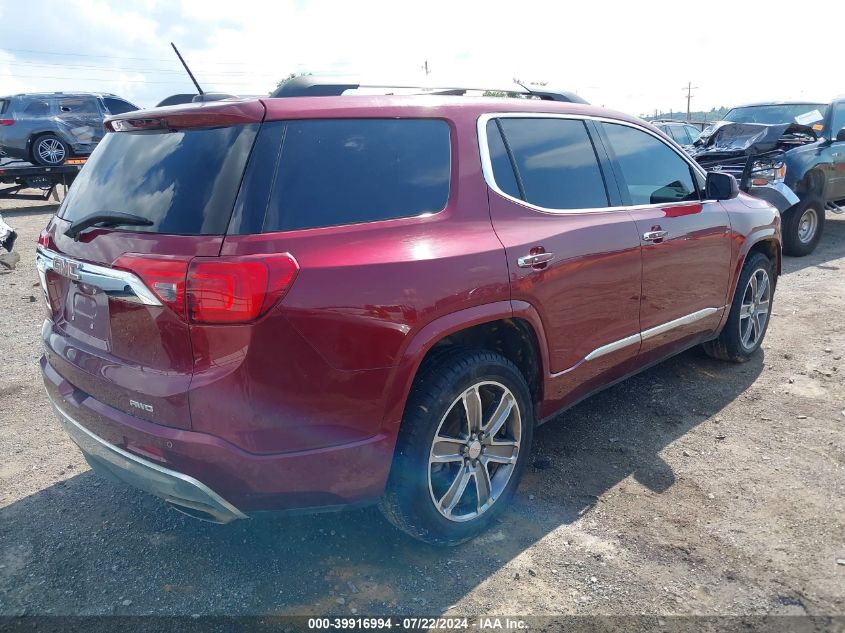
282, 82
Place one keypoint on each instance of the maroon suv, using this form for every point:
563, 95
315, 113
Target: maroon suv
332, 301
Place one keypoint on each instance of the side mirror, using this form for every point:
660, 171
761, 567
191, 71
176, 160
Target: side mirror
720, 186
840, 135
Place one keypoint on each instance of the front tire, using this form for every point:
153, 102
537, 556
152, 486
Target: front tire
803, 226
748, 319
49, 150
464, 442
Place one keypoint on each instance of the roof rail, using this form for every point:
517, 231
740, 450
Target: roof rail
311, 86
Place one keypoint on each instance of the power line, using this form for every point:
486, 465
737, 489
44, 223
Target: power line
140, 70
141, 81
148, 59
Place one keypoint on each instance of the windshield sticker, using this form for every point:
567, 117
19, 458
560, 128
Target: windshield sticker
808, 118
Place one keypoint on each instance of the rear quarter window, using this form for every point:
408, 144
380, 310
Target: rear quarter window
39, 107
346, 171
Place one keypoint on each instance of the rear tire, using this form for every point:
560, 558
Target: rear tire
803, 226
448, 491
750, 312
49, 150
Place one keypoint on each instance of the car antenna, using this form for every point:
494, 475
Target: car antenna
188, 70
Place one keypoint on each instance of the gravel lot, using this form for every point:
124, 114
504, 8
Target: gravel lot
696, 487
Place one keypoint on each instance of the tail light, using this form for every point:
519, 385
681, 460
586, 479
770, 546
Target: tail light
130, 125
7, 121
164, 275
44, 239
215, 289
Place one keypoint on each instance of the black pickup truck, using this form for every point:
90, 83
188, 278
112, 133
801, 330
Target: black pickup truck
791, 154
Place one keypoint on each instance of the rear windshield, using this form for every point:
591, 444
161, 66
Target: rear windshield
184, 181
774, 114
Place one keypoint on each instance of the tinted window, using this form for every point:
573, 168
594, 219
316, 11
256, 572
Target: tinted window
653, 172
773, 114
37, 108
501, 162
693, 132
4, 103
677, 132
118, 106
838, 120
344, 171
184, 181
556, 163
78, 105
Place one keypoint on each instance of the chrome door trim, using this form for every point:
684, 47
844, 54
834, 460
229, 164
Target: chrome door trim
684, 320
120, 283
487, 165
612, 347
650, 333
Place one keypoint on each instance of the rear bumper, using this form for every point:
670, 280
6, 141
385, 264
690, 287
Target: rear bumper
176, 463
181, 491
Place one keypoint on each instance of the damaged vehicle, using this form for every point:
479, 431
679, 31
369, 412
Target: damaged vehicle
789, 154
48, 128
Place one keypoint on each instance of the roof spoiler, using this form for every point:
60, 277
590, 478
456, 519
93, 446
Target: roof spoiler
311, 86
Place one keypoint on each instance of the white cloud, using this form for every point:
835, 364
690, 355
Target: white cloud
621, 54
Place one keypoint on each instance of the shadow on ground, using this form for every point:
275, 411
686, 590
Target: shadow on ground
87, 546
831, 246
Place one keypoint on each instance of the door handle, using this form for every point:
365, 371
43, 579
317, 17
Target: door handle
529, 261
654, 236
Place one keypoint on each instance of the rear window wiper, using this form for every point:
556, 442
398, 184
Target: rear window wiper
106, 218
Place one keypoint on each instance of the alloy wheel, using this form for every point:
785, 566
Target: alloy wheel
754, 312
50, 151
474, 451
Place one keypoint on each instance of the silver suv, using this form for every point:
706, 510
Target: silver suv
49, 128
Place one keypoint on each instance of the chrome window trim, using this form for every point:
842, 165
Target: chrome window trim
644, 335
487, 165
122, 283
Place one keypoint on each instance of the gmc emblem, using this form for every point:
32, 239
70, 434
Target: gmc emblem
67, 268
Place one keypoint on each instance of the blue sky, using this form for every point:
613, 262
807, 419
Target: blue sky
633, 57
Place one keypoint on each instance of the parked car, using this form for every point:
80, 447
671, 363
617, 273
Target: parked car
682, 133
357, 300
790, 154
48, 128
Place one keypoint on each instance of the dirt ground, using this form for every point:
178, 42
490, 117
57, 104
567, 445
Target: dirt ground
696, 487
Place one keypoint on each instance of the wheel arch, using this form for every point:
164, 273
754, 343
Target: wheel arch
512, 329
812, 183
766, 241
34, 136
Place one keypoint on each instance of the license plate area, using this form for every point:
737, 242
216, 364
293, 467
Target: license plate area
87, 315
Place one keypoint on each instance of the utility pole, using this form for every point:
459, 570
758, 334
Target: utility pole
689, 90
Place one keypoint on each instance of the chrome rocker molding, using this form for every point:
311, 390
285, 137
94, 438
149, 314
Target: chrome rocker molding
182, 492
118, 283
650, 333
